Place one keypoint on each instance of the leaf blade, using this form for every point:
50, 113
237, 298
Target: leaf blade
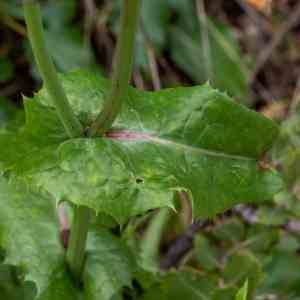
109, 267
193, 139
29, 235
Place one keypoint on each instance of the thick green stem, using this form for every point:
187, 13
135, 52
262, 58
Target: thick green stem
122, 68
76, 248
35, 32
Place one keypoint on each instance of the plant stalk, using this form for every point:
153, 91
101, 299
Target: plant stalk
77, 243
76, 249
46, 67
122, 68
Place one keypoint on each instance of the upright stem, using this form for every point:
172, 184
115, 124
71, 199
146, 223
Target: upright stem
76, 247
35, 31
122, 68
75, 254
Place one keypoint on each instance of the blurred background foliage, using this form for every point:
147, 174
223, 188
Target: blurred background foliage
245, 48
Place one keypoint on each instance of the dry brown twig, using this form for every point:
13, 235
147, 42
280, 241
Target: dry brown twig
95, 27
182, 245
266, 53
138, 79
153, 67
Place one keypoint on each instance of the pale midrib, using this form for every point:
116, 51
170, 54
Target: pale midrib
126, 135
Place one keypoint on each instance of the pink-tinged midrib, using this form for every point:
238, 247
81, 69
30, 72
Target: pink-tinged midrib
127, 135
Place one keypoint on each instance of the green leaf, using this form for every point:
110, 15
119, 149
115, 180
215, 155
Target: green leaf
32, 147
29, 236
188, 285
11, 8
206, 254
288, 243
272, 216
63, 36
57, 14
251, 271
261, 238
224, 294
286, 151
230, 231
223, 66
242, 293
155, 16
283, 275
185, 13
288, 201
109, 267
176, 139
151, 32
72, 53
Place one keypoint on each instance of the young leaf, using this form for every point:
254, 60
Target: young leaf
193, 139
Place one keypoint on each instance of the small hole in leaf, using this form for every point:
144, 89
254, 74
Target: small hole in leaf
139, 180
